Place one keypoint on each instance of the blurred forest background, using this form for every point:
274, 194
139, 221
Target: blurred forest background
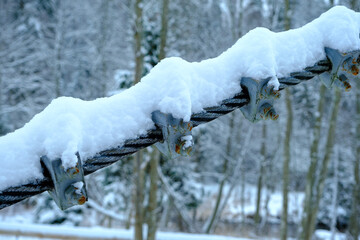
284, 178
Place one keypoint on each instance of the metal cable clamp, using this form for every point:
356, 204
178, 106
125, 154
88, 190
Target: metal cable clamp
69, 185
178, 140
262, 96
345, 66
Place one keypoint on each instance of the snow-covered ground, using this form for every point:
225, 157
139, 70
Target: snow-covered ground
34, 230
326, 235
37, 231
18, 220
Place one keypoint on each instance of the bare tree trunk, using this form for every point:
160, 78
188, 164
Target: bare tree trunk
129, 217
154, 162
138, 35
354, 5
236, 19
326, 159
288, 132
138, 170
257, 217
164, 29
152, 219
102, 44
214, 215
218, 200
242, 192
139, 195
166, 213
58, 48
354, 228
311, 174
334, 195
284, 216
269, 176
354, 225
287, 18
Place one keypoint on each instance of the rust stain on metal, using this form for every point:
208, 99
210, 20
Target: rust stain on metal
82, 200
274, 117
267, 110
177, 148
73, 171
347, 86
354, 70
276, 94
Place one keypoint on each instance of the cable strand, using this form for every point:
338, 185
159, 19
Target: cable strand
105, 158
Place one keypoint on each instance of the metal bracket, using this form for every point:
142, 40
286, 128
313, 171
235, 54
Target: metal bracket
345, 66
262, 96
69, 185
177, 136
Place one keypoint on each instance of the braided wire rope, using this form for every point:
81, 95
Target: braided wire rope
105, 158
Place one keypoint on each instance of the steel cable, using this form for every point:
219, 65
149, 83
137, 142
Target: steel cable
103, 159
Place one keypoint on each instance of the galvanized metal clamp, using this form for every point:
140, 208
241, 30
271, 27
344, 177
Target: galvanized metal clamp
69, 185
178, 140
345, 66
262, 96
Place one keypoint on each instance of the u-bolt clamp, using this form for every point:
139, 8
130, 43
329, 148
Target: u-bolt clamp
178, 140
345, 66
262, 96
69, 185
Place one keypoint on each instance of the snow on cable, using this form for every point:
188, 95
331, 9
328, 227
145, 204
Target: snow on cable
175, 86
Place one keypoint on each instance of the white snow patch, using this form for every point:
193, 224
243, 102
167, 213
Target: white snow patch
188, 141
274, 82
174, 86
327, 235
78, 186
96, 232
